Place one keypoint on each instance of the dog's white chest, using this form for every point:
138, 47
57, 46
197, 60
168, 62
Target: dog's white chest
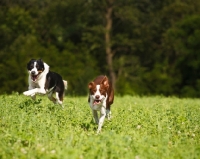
96, 107
34, 85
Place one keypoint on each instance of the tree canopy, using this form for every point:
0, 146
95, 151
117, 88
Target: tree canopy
146, 47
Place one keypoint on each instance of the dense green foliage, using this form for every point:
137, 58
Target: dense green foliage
140, 128
154, 45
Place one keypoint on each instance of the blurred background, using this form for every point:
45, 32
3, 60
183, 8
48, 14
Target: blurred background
146, 47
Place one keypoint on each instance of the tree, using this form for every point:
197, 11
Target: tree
109, 34
184, 40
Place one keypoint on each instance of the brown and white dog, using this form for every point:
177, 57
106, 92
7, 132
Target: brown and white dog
101, 96
43, 81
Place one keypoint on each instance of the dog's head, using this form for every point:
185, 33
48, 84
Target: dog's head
98, 91
35, 68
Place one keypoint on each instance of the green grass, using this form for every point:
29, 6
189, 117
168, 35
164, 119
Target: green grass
140, 128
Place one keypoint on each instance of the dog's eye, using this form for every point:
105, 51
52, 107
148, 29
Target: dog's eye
102, 91
93, 91
31, 67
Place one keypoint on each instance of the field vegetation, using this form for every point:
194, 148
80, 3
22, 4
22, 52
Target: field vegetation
141, 128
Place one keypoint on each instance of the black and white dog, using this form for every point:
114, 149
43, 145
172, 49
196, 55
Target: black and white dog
43, 81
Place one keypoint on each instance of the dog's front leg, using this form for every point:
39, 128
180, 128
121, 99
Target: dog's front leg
29, 93
34, 91
95, 115
101, 119
41, 91
108, 114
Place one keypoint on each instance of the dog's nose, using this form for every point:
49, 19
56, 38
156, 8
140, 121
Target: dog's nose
33, 72
97, 96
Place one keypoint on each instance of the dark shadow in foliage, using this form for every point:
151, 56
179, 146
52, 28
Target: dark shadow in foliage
87, 126
30, 104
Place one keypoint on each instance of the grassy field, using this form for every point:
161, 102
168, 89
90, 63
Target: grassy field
140, 128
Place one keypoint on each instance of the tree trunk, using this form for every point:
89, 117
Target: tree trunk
109, 52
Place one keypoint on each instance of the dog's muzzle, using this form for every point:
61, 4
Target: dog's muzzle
32, 72
96, 102
34, 76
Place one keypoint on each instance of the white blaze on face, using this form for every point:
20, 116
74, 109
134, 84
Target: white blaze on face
34, 72
98, 97
97, 93
34, 68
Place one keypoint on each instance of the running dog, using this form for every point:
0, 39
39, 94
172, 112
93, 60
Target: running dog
101, 96
43, 81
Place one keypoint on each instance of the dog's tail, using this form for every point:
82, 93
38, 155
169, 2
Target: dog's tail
65, 84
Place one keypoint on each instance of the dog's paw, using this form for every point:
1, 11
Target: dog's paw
108, 114
98, 131
33, 95
25, 93
28, 93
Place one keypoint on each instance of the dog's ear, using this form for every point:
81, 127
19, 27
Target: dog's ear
41, 64
28, 64
31, 61
40, 60
105, 82
90, 85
